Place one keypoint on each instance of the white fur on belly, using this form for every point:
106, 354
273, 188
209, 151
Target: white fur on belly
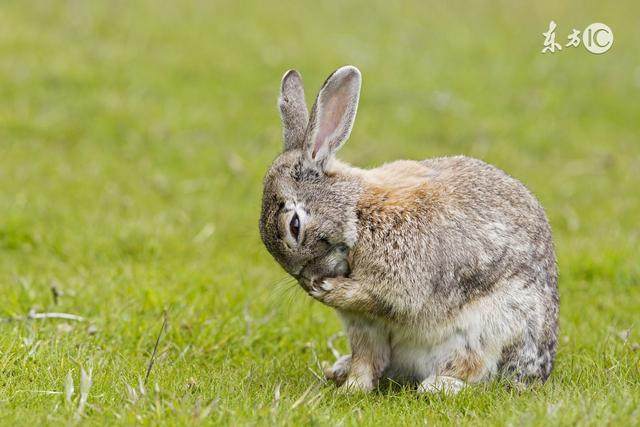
484, 327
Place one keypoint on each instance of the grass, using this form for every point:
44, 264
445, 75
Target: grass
133, 140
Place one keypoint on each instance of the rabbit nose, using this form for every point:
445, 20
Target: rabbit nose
343, 269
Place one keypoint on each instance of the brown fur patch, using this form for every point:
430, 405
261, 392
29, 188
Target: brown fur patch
466, 367
406, 199
399, 191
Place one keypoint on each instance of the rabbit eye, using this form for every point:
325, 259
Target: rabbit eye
294, 226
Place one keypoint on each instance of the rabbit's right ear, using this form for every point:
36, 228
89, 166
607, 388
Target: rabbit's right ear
293, 110
333, 115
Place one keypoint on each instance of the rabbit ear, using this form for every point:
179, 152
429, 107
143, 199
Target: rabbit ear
293, 110
333, 114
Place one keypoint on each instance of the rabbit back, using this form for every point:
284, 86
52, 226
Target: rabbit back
451, 239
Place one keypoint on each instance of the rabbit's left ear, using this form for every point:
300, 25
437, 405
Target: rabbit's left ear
333, 114
293, 110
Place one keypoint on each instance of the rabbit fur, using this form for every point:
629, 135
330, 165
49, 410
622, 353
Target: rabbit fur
443, 271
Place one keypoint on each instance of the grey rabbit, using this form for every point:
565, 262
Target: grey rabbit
443, 271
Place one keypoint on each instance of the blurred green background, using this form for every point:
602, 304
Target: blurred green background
133, 139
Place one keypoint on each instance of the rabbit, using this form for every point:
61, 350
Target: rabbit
442, 271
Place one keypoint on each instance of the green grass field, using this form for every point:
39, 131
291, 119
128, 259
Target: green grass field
133, 140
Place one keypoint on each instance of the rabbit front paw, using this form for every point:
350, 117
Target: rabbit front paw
441, 384
354, 385
341, 293
338, 371
320, 289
